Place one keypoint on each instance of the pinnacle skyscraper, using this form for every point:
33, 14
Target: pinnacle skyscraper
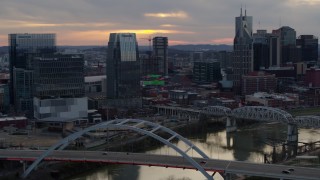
242, 48
123, 71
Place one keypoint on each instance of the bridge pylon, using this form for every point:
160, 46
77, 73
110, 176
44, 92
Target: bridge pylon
231, 125
292, 134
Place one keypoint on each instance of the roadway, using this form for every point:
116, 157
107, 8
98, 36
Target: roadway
222, 166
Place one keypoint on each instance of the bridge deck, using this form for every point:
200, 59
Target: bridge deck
234, 167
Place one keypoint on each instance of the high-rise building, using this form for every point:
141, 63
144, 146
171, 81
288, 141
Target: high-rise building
123, 71
59, 88
22, 47
309, 48
160, 52
242, 48
274, 50
206, 72
22, 90
149, 64
260, 50
288, 49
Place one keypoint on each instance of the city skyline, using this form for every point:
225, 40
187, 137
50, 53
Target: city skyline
81, 22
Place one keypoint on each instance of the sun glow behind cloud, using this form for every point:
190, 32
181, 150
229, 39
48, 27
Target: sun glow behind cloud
179, 14
222, 41
304, 2
167, 25
94, 37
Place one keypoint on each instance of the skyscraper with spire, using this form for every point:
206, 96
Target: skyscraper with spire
242, 48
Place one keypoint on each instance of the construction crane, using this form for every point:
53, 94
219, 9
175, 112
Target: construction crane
149, 39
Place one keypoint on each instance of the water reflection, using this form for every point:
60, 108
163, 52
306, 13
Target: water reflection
247, 144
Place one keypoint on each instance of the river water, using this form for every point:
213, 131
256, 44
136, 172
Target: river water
249, 143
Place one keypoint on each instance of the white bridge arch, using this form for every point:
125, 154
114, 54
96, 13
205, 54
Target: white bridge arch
134, 125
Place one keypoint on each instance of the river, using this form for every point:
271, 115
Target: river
249, 143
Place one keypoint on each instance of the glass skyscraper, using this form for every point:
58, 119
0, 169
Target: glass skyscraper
123, 71
309, 47
22, 49
288, 50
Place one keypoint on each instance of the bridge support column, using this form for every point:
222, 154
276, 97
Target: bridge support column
292, 139
24, 165
292, 133
231, 125
229, 140
227, 176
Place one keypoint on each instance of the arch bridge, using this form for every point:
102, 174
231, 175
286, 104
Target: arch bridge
136, 125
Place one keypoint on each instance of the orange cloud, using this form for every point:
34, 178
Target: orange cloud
176, 42
303, 2
179, 14
223, 41
167, 25
96, 37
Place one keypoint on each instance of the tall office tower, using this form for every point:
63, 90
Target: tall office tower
274, 50
242, 48
309, 48
59, 88
205, 72
149, 64
123, 71
22, 47
260, 50
288, 49
160, 52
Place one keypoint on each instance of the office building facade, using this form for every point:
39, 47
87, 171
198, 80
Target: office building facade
123, 71
160, 53
260, 50
59, 88
242, 49
288, 49
22, 49
258, 81
206, 72
309, 48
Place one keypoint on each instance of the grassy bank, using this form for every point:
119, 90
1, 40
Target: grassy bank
305, 111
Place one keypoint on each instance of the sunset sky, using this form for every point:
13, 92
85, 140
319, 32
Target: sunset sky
89, 22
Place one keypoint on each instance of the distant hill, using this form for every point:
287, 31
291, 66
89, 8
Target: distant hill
189, 47
202, 47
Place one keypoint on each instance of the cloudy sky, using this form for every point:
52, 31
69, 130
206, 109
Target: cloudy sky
89, 22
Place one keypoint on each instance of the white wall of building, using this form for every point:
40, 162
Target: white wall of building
64, 108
